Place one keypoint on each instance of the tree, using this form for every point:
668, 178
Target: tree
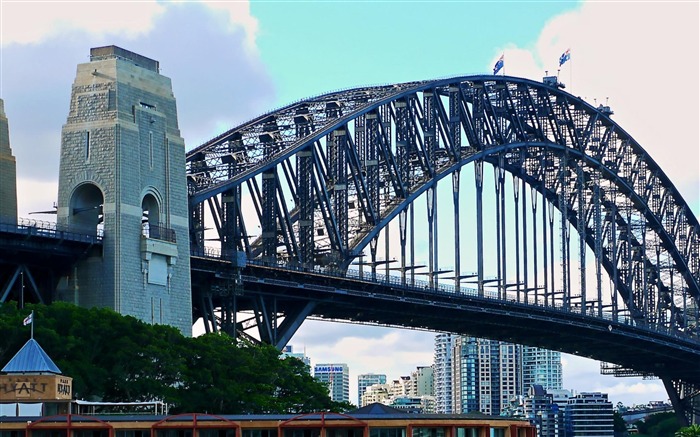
619, 424
119, 358
658, 425
689, 431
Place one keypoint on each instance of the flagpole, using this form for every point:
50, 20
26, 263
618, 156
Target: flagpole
32, 323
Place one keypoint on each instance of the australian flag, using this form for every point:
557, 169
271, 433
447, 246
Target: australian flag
498, 66
564, 57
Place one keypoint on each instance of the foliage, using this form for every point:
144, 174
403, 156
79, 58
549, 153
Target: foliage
619, 424
689, 431
659, 425
119, 359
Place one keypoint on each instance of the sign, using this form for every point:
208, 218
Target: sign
328, 369
25, 388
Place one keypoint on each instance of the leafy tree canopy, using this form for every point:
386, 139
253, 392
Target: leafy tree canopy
118, 358
689, 431
659, 425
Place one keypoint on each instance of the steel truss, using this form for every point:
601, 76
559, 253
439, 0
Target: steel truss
323, 179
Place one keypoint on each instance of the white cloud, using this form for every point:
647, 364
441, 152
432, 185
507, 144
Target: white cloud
126, 18
238, 13
643, 59
60, 16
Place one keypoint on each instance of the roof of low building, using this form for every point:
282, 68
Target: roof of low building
31, 359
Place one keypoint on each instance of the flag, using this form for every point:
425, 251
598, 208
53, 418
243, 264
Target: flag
27, 320
498, 66
564, 57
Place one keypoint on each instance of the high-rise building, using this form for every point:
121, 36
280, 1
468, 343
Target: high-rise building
365, 380
422, 381
498, 375
287, 351
375, 393
465, 375
590, 415
8, 173
488, 374
541, 367
442, 372
544, 412
337, 377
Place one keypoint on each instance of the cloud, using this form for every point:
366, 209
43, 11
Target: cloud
21, 24
129, 19
366, 349
218, 80
643, 60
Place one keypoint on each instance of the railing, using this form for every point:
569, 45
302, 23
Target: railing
158, 232
441, 289
52, 230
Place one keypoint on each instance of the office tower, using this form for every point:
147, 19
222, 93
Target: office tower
337, 377
365, 380
287, 351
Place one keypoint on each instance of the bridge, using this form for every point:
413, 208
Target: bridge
320, 209
493, 206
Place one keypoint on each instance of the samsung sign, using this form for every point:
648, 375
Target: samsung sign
328, 369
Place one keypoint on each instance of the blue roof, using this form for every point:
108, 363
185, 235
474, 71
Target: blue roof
31, 359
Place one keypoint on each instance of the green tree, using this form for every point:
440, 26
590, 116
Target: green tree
659, 425
689, 431
619, 424
115, 358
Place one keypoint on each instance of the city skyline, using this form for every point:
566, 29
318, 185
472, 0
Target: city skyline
260, 57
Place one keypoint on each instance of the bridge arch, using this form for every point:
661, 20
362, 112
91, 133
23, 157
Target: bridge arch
327, 175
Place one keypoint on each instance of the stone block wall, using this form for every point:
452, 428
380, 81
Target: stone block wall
122, 137
8, 173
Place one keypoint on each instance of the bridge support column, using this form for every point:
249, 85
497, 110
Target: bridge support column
122, 171
685, 399
8, 173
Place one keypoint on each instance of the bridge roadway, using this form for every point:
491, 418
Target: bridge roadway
389, 303
36, 254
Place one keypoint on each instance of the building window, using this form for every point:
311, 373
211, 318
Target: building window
87, 146
150, 147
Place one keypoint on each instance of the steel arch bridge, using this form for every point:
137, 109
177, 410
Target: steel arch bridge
316, 188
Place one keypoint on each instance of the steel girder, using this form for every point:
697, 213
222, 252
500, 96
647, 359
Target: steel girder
348, 177
336, 169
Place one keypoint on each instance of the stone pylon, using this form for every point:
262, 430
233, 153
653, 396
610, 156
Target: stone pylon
122, 173
8, 173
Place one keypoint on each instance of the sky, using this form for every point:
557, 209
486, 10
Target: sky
231, 61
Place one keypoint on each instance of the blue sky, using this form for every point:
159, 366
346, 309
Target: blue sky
231, 61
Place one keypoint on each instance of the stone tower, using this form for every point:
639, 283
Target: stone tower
122, 173
8, 173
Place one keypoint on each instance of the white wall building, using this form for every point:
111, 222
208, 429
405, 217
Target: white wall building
366, 380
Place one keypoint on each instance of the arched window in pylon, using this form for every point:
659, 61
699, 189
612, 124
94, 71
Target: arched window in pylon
150, 217
86, 208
